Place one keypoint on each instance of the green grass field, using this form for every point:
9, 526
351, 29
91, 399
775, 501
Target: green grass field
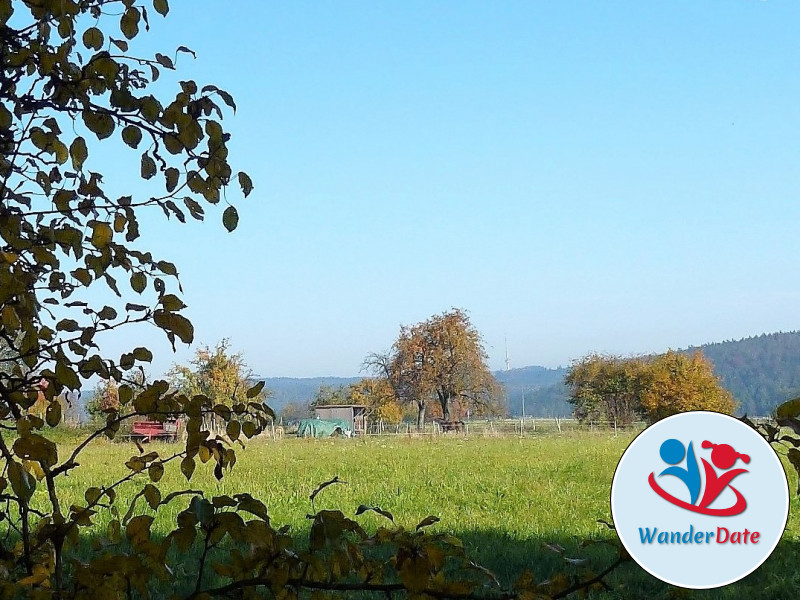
504, 497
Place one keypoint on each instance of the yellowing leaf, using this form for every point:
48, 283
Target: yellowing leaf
101, 235
93, 38
98, 123
156, 472
161, 7
129, 23
177, 324
78, 152
22, 482
187, 467
53, 415
152, 494
138, 282
148, 167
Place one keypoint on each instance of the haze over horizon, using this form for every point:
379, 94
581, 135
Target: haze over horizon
579, 176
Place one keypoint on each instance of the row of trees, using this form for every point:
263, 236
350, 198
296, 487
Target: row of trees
623, 390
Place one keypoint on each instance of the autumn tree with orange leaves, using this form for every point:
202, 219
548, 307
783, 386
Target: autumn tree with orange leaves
440, 361
677, 382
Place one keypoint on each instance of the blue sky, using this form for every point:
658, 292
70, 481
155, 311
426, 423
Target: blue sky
613, 176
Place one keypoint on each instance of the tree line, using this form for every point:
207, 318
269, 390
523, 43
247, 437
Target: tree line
624, 390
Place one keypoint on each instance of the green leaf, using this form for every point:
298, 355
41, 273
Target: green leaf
61, 152
132, 135
230, 218
227, 99
129, 23
100, 124
233, 429
255, 390
151, 492
66, 376
246, 183
171, 302
121, 44
171, 176
5, 117
148, 166
156, 472
187, 467
794, 457
22, 482
53, 414
138, 282
35, 447
164, 61
790, 408
78, 152
427, 522
67, 325
175, 323
142, 354
249, 429
92, 495
167, 268
93, 38
161, 7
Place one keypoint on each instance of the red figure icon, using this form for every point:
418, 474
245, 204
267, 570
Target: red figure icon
724, 457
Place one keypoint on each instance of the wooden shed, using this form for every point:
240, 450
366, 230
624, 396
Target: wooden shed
355, 414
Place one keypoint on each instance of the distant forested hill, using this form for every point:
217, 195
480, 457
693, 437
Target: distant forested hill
544, 391
284, 390
760, 372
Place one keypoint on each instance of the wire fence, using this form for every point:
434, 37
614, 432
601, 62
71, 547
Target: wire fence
529, 426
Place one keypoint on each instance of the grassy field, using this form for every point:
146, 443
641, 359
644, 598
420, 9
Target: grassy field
504, 497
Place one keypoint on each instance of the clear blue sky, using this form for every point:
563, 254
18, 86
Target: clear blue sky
613, 176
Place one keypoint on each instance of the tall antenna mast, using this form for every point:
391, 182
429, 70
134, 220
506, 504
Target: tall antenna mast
508, 361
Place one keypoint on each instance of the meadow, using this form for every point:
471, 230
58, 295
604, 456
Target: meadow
507, 498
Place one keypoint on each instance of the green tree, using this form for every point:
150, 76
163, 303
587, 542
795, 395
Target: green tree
605, 388
330, 394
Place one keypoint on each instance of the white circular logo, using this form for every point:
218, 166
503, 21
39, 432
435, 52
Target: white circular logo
699, 499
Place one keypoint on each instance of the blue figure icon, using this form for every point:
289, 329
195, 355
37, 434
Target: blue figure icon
672, 452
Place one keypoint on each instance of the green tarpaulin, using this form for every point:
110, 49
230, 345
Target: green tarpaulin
322, 428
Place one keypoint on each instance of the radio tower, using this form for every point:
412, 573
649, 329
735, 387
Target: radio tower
508, 360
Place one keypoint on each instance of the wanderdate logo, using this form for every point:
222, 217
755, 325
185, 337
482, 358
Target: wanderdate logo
699, 499
723, 457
